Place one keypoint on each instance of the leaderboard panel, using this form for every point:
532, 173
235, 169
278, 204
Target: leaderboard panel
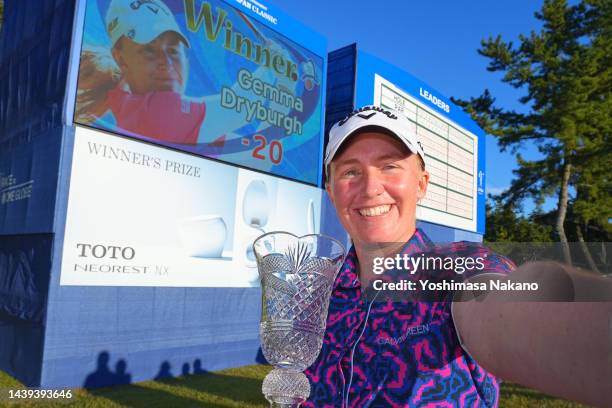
453, 143
451, 154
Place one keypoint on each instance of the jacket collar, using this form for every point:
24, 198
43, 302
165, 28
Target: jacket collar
348, 277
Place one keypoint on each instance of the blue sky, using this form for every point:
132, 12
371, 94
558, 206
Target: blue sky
435, 41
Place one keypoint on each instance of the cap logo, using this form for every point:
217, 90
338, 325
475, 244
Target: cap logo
151, 5
359, 113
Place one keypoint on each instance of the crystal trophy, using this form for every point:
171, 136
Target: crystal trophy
297, 276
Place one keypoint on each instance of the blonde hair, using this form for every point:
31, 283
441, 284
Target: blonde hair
98, 74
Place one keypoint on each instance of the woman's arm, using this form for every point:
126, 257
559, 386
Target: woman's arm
557, 340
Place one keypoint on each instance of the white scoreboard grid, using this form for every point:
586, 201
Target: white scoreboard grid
451, 156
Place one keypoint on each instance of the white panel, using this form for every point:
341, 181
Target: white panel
175, 219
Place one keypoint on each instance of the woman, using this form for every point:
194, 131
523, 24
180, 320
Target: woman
384, 351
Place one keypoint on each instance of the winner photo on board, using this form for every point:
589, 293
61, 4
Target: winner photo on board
203, 77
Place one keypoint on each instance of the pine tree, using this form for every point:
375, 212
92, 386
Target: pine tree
505, 224
565, 70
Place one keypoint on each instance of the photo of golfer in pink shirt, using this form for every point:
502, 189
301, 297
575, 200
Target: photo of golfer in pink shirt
146, 93
141, 79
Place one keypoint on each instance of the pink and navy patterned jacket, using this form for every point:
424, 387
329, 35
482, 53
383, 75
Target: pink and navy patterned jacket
407, 353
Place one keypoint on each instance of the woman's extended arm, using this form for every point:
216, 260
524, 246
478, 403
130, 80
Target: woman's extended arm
557, 340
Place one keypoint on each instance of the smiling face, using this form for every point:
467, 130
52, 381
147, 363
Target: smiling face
374, 184
159, 65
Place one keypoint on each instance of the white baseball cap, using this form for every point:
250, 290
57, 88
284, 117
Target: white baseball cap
140, 20
387, 119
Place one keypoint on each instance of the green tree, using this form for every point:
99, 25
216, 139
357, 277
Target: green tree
592, 205
518, 237
505, 224
565, 70
1, 13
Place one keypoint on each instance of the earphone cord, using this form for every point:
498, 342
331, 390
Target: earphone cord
365, 325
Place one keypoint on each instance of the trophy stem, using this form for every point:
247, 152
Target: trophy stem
296, 404
285, 388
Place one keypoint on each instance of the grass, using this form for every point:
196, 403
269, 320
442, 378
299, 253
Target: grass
515, 396
236, 387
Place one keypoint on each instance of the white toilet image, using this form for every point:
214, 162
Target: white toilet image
256, 198
249, 254
202, 236
256, 204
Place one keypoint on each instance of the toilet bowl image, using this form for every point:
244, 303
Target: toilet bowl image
256, 204
203, 236
249, 255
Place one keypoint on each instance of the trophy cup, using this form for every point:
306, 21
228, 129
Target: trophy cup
297, 276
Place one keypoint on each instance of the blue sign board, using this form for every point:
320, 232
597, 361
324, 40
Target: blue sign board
219, 79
